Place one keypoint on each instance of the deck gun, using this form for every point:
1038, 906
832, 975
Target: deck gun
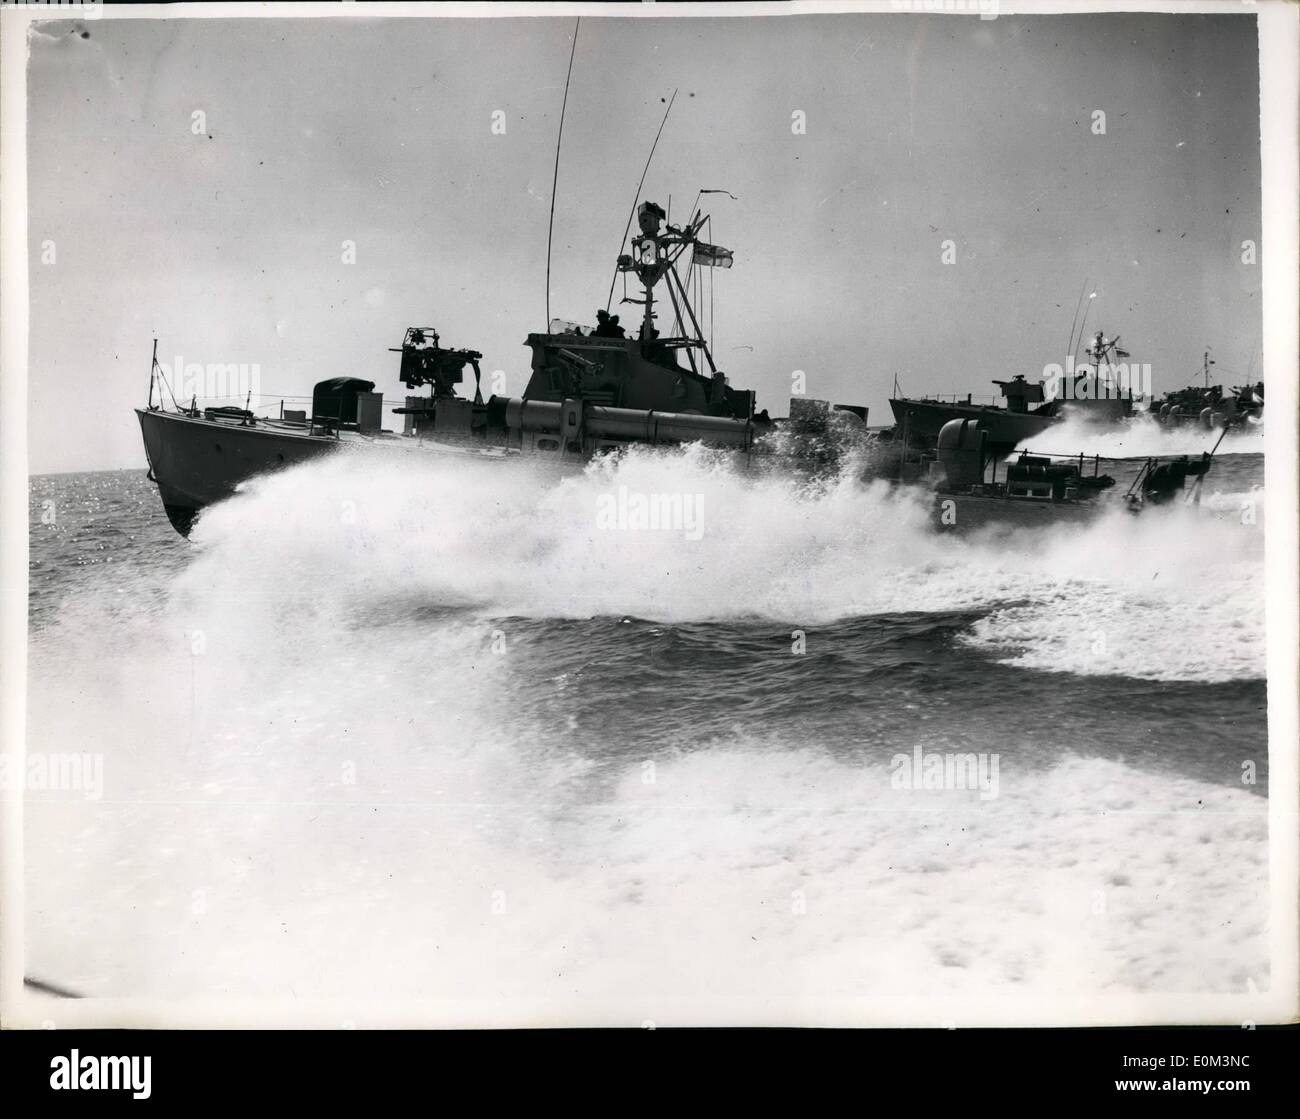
425, 362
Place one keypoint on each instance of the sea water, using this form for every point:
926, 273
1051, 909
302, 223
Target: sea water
406, 729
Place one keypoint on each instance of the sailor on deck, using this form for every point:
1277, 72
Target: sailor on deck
607, 325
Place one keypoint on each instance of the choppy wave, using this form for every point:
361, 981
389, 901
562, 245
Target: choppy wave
1172, 594
323, 778
397, 834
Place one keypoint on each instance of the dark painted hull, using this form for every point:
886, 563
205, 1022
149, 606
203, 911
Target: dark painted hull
197, 462
1218, 418
924, 418
1006, 430
961, 513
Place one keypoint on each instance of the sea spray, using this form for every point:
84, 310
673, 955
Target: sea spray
371, 538
1140, 437
396, 731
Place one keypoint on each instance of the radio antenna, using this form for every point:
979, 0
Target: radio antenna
632, 213
550, 228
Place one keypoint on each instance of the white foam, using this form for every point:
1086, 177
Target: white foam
318, 781
1172, 594
1175, 591
1143, 437
465, 862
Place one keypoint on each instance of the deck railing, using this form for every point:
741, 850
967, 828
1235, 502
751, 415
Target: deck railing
956, 398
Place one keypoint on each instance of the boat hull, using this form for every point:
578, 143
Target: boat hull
923, 419
197, 462
962, 513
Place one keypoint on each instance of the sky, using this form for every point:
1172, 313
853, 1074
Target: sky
228, 244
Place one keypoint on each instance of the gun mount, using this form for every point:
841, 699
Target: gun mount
425, 362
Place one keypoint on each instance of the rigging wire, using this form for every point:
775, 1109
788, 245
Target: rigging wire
157, 368
1083, 325
1069, 347
709, 224
639, 185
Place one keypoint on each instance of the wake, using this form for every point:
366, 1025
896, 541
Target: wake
352, 539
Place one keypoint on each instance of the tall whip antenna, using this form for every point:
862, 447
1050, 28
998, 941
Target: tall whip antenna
550, 228
632, 213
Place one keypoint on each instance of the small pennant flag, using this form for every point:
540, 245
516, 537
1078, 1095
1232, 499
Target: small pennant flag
711, 256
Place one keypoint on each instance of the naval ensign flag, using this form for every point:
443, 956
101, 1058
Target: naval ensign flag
712, 256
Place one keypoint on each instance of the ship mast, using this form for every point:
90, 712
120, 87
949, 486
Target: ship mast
654, 256
1102, 351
